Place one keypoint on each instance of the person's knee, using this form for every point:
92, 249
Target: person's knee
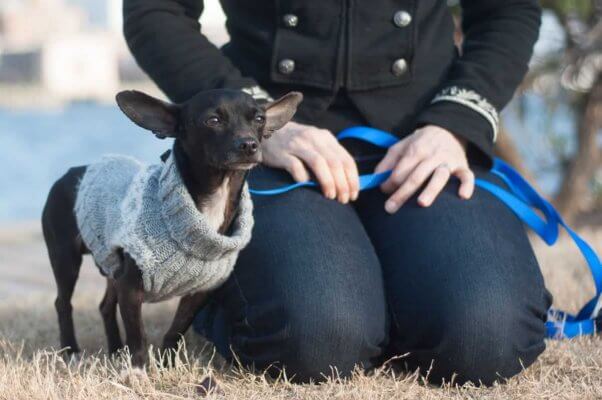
483, 341
332, 340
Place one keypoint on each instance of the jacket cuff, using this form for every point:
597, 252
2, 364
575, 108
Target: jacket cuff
468, 115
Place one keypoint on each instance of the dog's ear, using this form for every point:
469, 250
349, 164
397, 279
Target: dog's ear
149, 113
279, 112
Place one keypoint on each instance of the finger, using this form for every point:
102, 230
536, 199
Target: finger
320, 168
351, 172
353, 176
407, 163
330, 150
392, 157
340, 179
416, 179
436, 184
295, 167
467, 182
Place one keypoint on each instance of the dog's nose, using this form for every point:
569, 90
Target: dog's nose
247, 146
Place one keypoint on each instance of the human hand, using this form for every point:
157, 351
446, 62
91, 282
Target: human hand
296, 147
430, 153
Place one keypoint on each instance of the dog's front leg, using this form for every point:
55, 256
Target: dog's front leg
108, 310
187, 309
130, 295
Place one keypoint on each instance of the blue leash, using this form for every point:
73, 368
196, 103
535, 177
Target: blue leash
522, 199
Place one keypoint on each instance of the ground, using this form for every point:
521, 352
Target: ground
30, 368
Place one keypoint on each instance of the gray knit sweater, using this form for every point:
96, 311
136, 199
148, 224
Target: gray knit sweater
147, 211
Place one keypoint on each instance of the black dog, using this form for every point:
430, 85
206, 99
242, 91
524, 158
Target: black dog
218, 138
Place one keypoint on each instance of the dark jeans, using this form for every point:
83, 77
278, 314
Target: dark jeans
321, 285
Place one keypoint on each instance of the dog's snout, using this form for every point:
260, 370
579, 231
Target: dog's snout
247, 145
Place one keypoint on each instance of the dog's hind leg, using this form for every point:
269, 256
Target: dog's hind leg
65, 250
65, 265
108, 310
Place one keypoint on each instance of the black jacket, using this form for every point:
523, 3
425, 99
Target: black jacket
395, 58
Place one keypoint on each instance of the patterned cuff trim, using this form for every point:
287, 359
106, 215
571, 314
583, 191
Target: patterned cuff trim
257, 93
474, 101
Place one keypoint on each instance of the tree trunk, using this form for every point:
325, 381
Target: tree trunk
574, 191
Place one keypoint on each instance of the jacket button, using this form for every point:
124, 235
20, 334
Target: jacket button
286, 66
290, 20
402, 19
399, 67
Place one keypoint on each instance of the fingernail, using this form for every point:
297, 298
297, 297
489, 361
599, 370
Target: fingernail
345, 198
331, 195
354, 196
424, 202
390, 207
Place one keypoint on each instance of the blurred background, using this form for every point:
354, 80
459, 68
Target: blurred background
62, 61
61, 64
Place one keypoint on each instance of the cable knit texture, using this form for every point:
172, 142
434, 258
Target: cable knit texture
147, 211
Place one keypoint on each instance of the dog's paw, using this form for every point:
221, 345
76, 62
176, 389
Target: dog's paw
209, 386
133, 376
168, 359
72, 357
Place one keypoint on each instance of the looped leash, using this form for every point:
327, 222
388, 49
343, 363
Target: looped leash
522, 199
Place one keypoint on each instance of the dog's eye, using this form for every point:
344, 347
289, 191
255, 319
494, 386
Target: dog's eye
260, 119
213, 121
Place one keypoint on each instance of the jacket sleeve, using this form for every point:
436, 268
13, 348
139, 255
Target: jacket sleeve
499, 36
165, 38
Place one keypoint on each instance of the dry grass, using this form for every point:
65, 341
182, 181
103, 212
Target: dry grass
31, 369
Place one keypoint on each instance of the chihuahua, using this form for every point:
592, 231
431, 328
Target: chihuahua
218, 136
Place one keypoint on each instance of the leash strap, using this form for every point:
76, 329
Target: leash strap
522, 199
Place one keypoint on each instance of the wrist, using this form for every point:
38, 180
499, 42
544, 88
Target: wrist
463, 142
443, 131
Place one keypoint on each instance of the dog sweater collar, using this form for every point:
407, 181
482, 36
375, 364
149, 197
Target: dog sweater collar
147, 211
189, 227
